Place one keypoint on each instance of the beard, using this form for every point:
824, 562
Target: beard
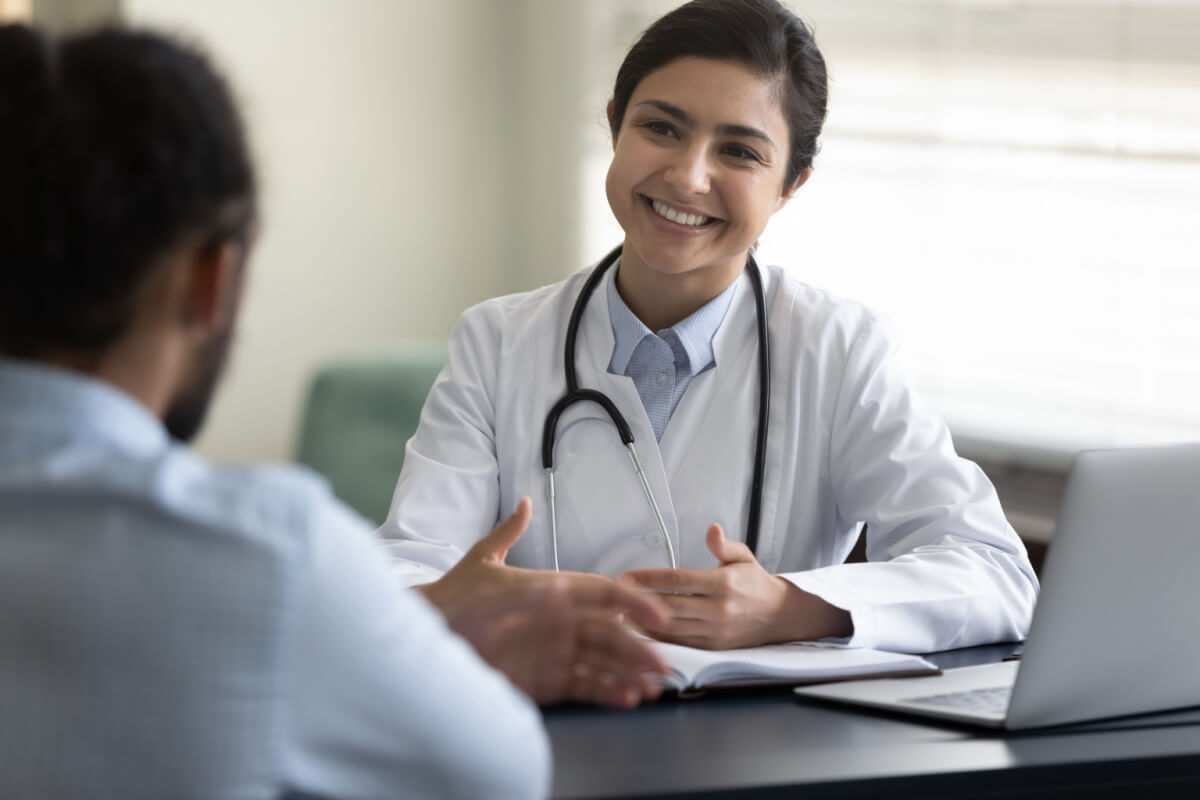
185, 416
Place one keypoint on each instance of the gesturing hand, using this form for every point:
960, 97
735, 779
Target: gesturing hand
738, 604
557, 636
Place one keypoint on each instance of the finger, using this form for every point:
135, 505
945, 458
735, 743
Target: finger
604, 594
611, 646
694, 606
554, 653
682, 627
588, 686
594, 660
644, 608
608, 664
697, 640
495, 546
726, 551
683, 581
603, 681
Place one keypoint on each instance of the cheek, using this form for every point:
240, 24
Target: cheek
758, 203
612, 191
619, 185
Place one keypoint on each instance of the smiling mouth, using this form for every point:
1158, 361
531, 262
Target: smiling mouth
680, 217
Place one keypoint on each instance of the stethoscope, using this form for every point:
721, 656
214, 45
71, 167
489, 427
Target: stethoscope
575, 394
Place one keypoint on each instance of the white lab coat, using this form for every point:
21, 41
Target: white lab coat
850, 442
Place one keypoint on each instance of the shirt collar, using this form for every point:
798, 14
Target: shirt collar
60, 399
695, 333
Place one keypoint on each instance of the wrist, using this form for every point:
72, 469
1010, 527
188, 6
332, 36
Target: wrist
805, 617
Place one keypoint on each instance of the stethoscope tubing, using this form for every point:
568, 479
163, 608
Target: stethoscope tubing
764, 406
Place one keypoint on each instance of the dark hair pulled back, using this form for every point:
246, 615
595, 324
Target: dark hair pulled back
761, 35
115, 147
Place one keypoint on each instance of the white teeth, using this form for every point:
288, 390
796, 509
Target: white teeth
678, 217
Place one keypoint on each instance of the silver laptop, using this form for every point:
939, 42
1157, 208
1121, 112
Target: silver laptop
1117, 627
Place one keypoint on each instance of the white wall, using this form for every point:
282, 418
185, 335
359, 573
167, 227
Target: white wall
15, 10
407, 158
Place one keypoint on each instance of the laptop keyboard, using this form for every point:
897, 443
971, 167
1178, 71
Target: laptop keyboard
992, 700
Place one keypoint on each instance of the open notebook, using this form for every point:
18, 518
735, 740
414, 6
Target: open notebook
792, 663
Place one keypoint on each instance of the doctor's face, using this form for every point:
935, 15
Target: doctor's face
698, 167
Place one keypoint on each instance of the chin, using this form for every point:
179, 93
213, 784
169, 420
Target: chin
668, 263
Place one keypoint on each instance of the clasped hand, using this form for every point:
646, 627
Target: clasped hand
737, 604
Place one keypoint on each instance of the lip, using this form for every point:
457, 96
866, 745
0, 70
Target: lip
667, 226
681, 207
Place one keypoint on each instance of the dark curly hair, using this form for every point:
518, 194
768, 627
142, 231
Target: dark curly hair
761, 35
115, 147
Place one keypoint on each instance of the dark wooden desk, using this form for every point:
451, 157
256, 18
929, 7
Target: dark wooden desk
775, 745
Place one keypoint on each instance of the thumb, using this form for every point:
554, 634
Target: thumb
495, 546
727, 552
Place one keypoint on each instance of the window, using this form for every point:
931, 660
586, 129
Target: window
1016, 185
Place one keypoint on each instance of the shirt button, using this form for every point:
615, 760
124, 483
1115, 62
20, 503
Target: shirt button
662, 379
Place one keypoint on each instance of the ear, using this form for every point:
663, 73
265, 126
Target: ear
609, 113
789, 191
214, 284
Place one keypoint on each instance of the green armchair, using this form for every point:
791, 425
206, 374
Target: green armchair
359, 415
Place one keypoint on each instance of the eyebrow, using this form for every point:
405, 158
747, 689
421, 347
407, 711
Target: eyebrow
724, 129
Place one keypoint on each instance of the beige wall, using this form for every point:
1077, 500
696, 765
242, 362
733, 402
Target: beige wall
67, 15
408, 153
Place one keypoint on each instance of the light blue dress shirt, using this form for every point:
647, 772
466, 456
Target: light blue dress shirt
662, 364
172, 628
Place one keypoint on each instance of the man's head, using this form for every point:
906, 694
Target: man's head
127, 206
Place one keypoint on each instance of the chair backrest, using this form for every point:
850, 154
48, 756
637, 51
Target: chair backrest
360, 413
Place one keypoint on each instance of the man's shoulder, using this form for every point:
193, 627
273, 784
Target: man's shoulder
260, 499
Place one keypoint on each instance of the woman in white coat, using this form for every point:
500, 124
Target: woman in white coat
715, 117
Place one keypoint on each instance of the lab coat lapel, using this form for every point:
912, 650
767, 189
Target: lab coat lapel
710, 439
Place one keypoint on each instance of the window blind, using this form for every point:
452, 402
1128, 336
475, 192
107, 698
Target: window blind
1016, 185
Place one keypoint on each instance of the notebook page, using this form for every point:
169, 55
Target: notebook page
798, 661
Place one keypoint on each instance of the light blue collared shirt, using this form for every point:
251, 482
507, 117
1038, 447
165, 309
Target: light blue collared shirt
662, 364
173, 628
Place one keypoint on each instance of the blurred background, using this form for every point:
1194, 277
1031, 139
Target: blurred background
1016, 184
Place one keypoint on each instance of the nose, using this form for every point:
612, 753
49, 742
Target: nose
688, 172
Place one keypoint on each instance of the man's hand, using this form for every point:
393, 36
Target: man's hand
738, 604
557, 636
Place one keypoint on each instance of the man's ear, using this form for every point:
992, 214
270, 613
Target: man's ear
789, 191
214, 284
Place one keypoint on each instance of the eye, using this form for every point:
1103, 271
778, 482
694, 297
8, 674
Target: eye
660, 128
741, 152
